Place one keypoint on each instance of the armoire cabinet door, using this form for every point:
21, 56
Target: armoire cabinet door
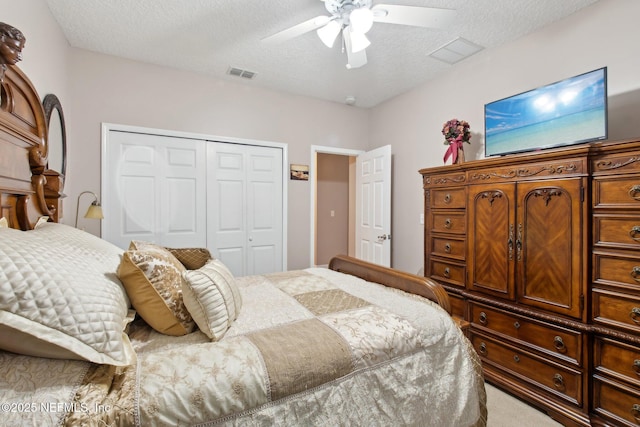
491, 239
550, 245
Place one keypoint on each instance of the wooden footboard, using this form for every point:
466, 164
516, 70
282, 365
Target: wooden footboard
393, 278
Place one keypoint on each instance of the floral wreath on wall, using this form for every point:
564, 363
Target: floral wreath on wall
455, 133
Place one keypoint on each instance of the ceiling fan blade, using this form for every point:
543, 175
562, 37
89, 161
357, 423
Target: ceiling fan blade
354, 59
428, 17
298, 30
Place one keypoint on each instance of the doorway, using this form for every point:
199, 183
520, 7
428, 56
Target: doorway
323, 225
369, 219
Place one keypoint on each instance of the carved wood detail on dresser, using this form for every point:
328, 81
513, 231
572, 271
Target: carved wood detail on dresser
540, 253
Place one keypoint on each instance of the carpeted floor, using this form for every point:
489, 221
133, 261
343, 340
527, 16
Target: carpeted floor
505, 410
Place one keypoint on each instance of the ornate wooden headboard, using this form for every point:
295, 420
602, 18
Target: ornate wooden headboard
28, 190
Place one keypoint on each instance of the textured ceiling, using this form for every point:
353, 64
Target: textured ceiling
210, 36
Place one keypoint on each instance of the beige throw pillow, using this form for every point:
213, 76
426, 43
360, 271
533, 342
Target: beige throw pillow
191, 258
152, 277
212, 297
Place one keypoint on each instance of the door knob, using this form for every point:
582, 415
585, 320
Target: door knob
384, 237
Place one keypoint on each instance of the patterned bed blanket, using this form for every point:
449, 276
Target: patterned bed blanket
311, 347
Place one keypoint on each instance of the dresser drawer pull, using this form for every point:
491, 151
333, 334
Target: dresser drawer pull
447, 223
636, 366
635, 273
516, 358
483, 348
634, 192
447, 272
558, 381
635, 315
635, 411
447, 248
558, 343
635, 232
447, 198
516, 325
483, 318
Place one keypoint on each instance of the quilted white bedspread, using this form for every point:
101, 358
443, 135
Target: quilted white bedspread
312, 347
406, 361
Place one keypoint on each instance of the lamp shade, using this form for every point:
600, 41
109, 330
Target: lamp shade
358, 41
94, 211
361, 20
329, 33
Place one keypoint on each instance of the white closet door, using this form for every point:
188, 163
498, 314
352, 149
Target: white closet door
154, 190
245, 207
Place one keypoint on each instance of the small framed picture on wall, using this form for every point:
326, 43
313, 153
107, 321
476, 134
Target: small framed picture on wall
300, 172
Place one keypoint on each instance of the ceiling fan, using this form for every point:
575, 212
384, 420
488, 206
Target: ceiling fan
354, 18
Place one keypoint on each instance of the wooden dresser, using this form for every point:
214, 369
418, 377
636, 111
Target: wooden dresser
540, 252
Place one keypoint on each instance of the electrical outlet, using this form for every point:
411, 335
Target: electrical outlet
421, 219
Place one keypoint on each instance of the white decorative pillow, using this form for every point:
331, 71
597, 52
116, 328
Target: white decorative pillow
212, 297
60, 297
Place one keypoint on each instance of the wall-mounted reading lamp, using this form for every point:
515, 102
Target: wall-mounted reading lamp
94, 211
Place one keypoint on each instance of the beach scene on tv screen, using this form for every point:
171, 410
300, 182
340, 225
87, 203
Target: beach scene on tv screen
567, 112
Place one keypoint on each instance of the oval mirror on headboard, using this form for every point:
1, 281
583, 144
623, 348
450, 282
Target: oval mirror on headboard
57, 136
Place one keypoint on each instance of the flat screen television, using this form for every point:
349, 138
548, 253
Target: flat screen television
571, 111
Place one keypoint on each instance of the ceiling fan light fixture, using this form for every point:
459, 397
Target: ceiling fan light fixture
358, 41
329, 33
361, 20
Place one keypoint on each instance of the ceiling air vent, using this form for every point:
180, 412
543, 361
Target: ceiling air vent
241, 73
456, 50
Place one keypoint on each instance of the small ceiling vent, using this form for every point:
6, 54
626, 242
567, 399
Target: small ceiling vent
241, 73
456, 51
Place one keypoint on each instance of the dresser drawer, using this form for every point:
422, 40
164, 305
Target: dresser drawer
551, 340
620, 231
556, 378
617, 359
616, 402
448, 222
449, 198
458, 306
448, 247
448, 272
616, 269
617, 310
617, 192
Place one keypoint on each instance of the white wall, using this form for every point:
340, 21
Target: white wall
45, 56
115, 90
604, 34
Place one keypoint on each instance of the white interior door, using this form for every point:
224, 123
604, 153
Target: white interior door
245, 207
154, 190
373, 206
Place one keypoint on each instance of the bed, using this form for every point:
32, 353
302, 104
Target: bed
91, 334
